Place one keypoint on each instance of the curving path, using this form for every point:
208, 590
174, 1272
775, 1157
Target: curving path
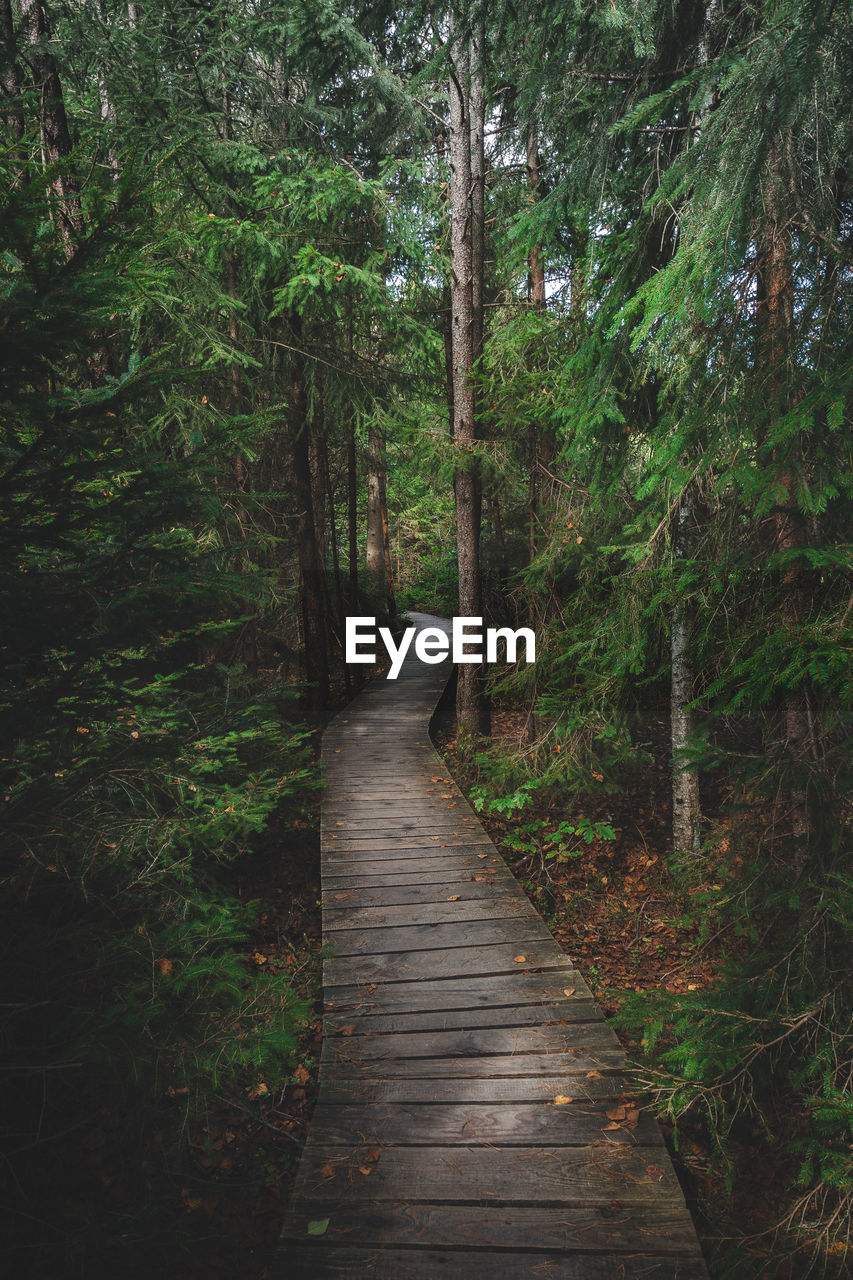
472, 1119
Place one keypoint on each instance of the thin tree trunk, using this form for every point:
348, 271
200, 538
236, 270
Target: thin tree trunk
375, 560
318, 491
686, 805
536, 264
777, 291
336, 562
464, 335
390, 593
312, 586
535, 260
10, 76
686, 797
352, 486
53, 122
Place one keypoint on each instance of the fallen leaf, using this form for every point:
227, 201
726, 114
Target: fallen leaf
482, 855
365, 1169
616, 1113
318, 1227
569, 991
348, 1029
607, 1128
520, 959
562, 1099
302, 1075
327, 1171
165, 966
454, 897
594, 1075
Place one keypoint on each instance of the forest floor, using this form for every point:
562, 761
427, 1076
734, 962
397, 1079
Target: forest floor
615, 909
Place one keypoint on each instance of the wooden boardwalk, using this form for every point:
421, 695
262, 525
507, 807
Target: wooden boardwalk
472, 1119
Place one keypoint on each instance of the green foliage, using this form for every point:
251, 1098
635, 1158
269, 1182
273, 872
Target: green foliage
539, 836
136, 766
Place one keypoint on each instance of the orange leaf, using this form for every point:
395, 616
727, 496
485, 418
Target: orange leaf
327, 1171
562, 1099
520, 959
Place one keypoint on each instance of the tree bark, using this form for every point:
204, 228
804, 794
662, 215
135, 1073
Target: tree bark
536, 265
375, 559
10, 74
686, 798
352, 486
686, 804
776, 281
465, 333
312, 585
53, 123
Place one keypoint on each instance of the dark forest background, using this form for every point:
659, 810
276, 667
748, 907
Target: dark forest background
540, 313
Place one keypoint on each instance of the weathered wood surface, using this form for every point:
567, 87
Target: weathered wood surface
474, 1122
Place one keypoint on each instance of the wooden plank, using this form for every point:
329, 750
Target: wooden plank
432, 937
440, 863
524, 1124
301, 1262
396, 966
527, 1175
442, 871
523, 1015
460, 992
469, 852
660, 1229
473, 1090
465, 1042
578, 1063
391, 895
448, 836
372, 819
507, 906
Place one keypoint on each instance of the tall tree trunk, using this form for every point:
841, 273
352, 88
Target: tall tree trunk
312, 586
777, 294
535, 260
686, 804
10, 73
53, 123
464, 335
536, 265
317, 456
352, 483
247, 648
375, 556
336, 561
352, 516
390, 593
686, 797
